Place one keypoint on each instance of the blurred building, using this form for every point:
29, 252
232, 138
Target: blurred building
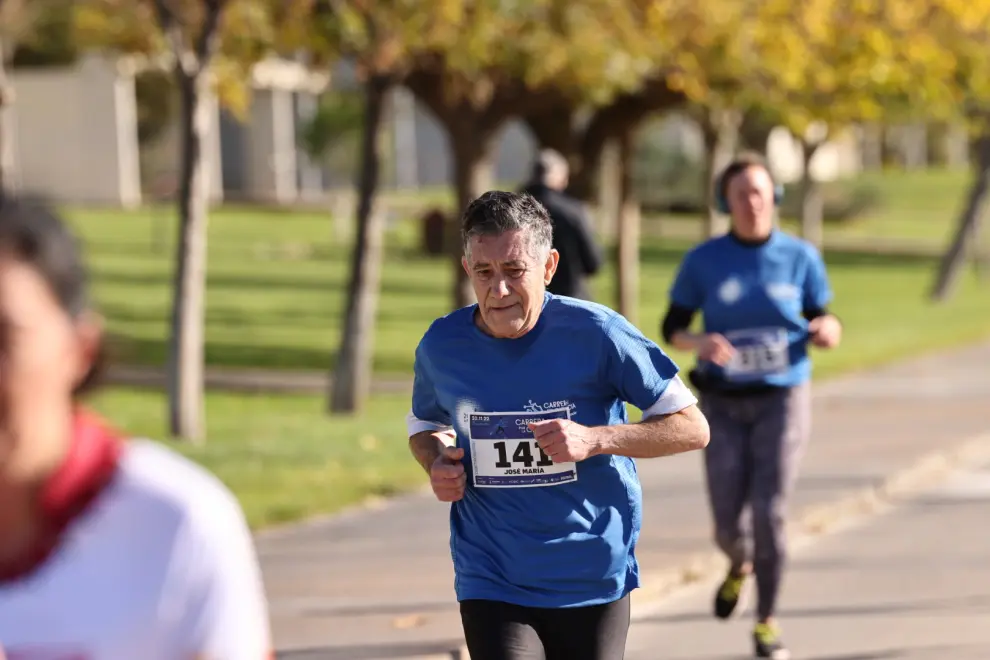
76, 140
76, 137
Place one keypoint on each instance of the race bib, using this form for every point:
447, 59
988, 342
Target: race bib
505, 454
759, 352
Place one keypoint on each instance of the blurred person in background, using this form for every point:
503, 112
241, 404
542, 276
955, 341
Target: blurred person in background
573, 238
110, 549
763, 296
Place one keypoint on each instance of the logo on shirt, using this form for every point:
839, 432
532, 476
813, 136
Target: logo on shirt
731, 291
464, 409
505, 426
533, 407
783, 291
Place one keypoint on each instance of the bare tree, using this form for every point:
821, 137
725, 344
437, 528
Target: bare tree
811, 195
6, 115
193, 52
627, 225
351, 381
967, 228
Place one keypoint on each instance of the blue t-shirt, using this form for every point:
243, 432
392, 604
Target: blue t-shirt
569, 541
756, 295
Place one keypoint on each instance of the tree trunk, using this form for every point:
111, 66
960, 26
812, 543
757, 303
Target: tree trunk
937, 138
871, 147
7, 130
627, 241
624, 113
351, 378
720, 133
754, 132
812, 200
609, 197
980, 253
553, 129
185, 362
595, 138
472, 177
715, 223
968, 225
583, 149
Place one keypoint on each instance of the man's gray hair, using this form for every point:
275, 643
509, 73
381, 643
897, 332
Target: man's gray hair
497, 212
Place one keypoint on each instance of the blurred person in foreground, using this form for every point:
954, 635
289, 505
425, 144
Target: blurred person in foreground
763, 296
110, 548
519, 418
573, 238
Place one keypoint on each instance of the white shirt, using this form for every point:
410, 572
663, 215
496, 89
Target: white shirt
161, 567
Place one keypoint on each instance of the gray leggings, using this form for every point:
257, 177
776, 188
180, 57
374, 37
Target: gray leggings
757, 442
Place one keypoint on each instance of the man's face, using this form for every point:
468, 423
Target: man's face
509, 280
558, 180
750, 196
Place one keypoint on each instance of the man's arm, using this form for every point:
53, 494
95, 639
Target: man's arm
672, 425
647, 378
666, 435
437, 454
428, 424
427, 445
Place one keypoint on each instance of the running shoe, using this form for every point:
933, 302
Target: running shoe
728, 595
767, 643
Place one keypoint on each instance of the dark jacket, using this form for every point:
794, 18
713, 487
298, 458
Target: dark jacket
580, 255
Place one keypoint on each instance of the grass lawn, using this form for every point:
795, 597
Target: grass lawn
280, 454
276, 279
914, 208
276, 284
915, 205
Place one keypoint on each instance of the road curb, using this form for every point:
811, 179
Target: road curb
818, 520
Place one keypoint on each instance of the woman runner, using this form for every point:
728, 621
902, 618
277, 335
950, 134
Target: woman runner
763, 296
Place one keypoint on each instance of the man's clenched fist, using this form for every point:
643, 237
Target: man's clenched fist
447, 475
564, 441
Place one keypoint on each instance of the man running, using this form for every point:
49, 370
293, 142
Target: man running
545, 517
763, 296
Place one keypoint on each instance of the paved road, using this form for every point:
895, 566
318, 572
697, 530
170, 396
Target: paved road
912, 584
378, 583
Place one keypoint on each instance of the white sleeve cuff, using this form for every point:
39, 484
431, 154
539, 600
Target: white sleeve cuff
415, 425
675, 398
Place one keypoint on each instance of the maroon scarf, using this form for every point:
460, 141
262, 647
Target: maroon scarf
87, 470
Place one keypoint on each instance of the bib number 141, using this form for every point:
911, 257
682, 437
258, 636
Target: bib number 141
523, 455
504, 453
